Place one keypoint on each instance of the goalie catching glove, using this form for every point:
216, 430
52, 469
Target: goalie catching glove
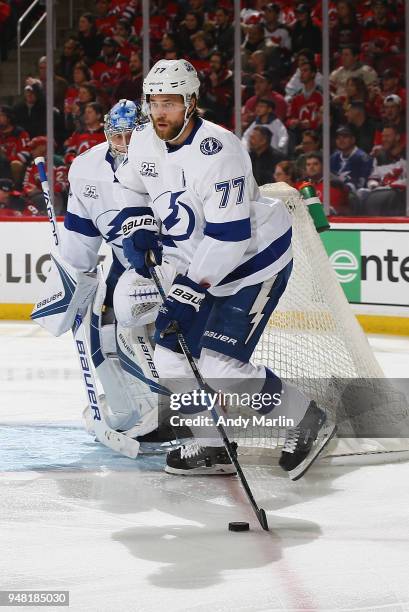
140, 236
181, 306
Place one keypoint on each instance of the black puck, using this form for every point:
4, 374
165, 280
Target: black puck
239, 526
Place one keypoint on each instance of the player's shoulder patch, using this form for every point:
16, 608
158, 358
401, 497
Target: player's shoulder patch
141, 126
210, 146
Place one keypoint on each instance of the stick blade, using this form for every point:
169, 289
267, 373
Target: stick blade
263, 519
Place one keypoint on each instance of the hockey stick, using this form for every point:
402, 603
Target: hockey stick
230, 447
104, 434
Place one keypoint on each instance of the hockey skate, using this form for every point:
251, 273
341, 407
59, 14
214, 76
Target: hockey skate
193, 459
305, 442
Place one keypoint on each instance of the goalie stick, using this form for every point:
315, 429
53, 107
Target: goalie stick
231, 447
104, 434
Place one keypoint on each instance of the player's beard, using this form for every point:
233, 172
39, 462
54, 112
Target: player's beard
172, 130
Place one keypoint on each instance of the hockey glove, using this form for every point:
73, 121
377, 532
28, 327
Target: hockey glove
180, 307
140, 236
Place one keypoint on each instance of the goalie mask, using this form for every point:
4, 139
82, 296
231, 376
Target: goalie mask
175, 77
118, 126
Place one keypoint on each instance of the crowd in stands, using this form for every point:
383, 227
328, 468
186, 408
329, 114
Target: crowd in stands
101, 62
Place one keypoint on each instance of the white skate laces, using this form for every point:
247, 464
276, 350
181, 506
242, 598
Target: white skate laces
188, 451
291, 440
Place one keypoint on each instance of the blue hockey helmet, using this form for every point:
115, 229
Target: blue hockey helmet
119, 123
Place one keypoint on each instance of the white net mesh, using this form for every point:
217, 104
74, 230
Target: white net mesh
313, 336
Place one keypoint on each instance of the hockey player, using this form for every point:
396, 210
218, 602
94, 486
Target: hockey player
122, 359
232, 254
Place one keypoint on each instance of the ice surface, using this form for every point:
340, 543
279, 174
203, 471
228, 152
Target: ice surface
122, 535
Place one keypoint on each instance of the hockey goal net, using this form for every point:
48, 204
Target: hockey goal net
314, 340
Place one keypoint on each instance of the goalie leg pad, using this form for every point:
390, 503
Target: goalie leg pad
129, 400
67, 291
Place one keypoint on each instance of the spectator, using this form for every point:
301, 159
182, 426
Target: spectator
305, 34
346, 30
386, 192
294, 85
391, 115
263, 88
223, 33
202, 45
110, 66
392, 111
339, 195
218, 89
363, 125
198, 7
130, 86
88, 37
381, 34
274, 30
263, 157
126, 40
30, 113
304, 107
168, 43
75, 119
32, 184
350, 66
257, 62
12, 203
13, 141
105, 17
352, 165
91, 135
310, 143
81, 74
265, 116
192, 23
60, 84
389, 165
286, 172
255, 41
356, 91
390, 84
70, 57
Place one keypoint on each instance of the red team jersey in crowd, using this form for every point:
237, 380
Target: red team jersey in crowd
79, 142
14, 142
32, 180
106, 24
306, 108
107, 75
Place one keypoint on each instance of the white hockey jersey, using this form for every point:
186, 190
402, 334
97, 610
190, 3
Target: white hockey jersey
92, 215
214, 222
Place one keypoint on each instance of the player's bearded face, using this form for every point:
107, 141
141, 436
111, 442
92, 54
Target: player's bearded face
168, 115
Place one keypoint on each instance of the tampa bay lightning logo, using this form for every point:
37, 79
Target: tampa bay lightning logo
110, 223
180, 222
210, 146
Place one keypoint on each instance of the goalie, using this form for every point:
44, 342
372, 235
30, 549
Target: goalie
231, 249
122, 355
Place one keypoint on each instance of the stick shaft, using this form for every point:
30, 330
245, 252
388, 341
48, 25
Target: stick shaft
40, 163
231, 449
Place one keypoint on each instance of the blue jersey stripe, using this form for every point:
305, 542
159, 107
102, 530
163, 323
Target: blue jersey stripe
230, 231
262, 260
74, 223
167, 241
